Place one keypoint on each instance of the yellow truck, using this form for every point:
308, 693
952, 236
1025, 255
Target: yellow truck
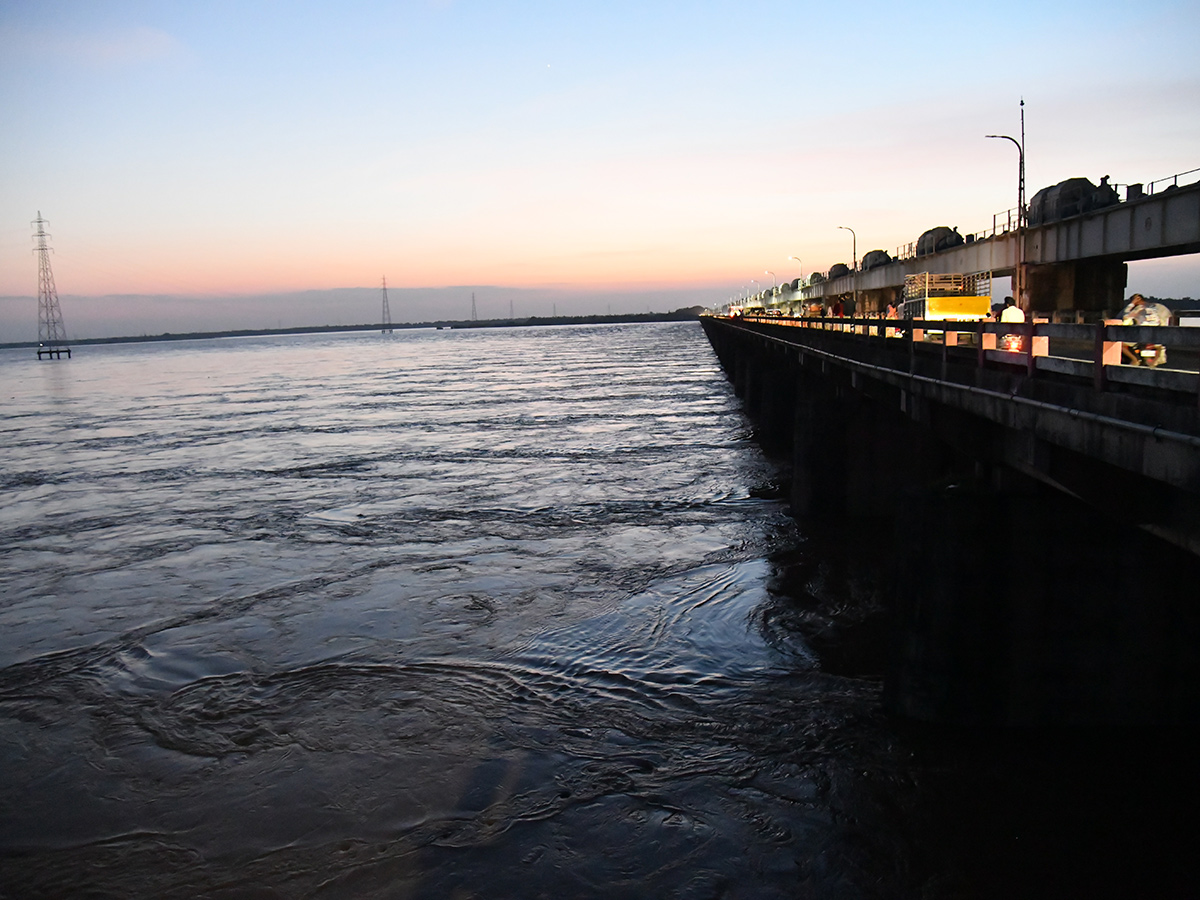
957, 298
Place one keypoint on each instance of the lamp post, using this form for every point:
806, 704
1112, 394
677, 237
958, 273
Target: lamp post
1019, 286
800, 280
854, 244
752, 281
774, 282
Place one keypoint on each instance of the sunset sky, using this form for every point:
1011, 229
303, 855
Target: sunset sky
191, 157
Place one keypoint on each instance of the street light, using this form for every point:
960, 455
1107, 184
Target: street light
799, 266
752, 281
1019, 287
854, 244
774, 283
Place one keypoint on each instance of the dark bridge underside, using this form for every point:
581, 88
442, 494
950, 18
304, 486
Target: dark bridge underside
1011, 601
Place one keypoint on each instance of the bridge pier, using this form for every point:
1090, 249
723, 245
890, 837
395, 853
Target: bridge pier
1022, 608
775, 404
855, 457
1093, 285
819, 453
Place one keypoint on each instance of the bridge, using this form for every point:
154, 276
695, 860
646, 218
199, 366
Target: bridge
1038, 510
1073, 266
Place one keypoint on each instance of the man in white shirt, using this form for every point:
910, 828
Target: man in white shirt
1012, 312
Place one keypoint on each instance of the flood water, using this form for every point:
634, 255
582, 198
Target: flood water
477, 613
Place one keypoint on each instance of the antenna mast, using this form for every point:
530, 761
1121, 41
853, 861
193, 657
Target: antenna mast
387, 312
474, 314
1022, 279
52, 334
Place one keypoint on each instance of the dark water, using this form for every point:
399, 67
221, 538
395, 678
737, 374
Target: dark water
495, 613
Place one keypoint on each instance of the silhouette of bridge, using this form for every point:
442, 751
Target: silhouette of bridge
1038, 512
1073, 265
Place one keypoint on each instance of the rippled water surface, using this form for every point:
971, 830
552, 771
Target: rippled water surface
434, 614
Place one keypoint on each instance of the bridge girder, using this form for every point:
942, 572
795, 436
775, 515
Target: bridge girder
1154, 226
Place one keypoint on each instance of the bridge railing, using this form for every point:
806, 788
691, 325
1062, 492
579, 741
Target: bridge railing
1002, 223
1138, 191
1105, 353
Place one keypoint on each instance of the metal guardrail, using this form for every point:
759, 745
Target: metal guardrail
1156, 432
1150, 188
1094, 352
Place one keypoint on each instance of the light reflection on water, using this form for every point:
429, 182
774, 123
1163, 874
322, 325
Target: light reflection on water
460, 613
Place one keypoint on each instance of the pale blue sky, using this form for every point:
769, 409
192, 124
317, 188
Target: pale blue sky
236, 148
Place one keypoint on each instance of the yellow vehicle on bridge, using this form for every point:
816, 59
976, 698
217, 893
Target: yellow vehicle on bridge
958, 298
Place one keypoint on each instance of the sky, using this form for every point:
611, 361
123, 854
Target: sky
209, 165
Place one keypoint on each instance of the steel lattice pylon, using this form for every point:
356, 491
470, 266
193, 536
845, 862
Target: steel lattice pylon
387, 312
52, 334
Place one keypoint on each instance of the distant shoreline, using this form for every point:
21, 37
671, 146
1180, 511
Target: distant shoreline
679, 315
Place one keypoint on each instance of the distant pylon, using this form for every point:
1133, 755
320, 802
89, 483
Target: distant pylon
510, 310
52, 334
474, 314
387, 313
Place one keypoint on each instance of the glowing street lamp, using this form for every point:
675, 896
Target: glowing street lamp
774, 283
799, 266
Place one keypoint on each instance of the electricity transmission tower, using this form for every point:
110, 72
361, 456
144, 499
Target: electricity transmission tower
52, 335
387, 312
474, 314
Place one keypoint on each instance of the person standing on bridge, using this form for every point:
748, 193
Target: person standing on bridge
1011, 312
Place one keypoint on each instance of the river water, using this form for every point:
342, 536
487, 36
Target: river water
463, 613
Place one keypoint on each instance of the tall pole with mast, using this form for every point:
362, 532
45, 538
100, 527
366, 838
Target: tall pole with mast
1019, 286
52, 334
854, 257
387, 312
